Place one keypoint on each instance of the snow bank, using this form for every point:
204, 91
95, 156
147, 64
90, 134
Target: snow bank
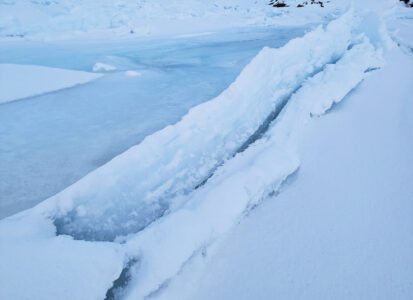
36, 264
140, 185
167, 245
21, 81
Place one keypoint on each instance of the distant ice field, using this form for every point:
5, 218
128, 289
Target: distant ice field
50, 141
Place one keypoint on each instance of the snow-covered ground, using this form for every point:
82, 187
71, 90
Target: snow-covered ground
292, 182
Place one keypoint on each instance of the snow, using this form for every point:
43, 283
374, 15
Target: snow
103, 67
292, 182
242, 182
22, 81
345, 233
36, 264
165, 165
59, 19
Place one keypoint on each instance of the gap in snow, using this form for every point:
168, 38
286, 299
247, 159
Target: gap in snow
115, 292
202, 250
148, 216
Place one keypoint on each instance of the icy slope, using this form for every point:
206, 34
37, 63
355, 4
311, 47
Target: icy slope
21, 81
140, 185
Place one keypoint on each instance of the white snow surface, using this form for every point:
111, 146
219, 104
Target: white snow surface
35, 264
22, 81
187, 186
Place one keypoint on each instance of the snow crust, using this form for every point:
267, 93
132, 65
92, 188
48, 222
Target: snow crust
341, 228
22, 81
84, 127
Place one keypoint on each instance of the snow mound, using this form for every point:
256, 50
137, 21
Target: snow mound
22, 81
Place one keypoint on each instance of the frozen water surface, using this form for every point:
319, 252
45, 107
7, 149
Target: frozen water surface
50, 141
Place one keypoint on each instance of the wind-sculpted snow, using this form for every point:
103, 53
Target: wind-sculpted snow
145, 182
